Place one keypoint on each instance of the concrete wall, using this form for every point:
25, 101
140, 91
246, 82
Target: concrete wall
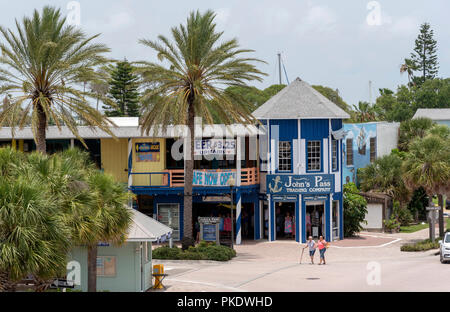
387, 138
128, 264
374, 217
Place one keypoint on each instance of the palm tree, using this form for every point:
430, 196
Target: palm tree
364, 112
92, 205
199, 68
111, 216
33, 240
384, 175
44, 62
427, 165
411, 129
409, 67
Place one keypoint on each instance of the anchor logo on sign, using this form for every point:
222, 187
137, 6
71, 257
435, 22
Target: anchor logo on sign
275, 188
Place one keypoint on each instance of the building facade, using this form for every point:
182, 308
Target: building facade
288, 170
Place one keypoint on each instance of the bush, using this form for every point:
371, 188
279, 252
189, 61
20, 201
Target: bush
187, 242
392, 224
204, 251
355, 210
421, 246
403, 214
165, 252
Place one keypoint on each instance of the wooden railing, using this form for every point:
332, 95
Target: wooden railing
175, 178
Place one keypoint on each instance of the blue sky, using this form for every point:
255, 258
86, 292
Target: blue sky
325, 42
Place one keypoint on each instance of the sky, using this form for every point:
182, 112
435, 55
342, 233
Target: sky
339, 44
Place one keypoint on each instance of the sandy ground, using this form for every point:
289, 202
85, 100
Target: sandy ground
371, 262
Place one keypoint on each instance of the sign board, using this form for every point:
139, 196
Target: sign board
62, 283
147, 152
212, 177
278, 184
209, 232
284, 198
216, 198
208, 220
215, 147
315, 198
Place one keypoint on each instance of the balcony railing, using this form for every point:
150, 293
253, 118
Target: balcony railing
175, 178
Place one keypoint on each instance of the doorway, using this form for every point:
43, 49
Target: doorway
315, 219
285, 220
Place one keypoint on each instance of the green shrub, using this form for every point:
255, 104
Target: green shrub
392, 224
203, 251
421, 246
187, 242
165, 252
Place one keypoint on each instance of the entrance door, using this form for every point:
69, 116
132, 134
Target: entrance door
335, 221
315, 219
285, 220
169, 214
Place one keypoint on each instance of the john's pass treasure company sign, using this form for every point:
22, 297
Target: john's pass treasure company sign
278, 184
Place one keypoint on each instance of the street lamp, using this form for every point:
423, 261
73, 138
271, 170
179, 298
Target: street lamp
231, 183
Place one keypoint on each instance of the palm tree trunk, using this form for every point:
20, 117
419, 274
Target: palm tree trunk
41, 130
92, 268
6, 285
188, 175
441, 215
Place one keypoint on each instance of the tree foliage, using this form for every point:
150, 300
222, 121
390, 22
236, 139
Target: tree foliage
411, 129
424, 58
123, 90
42, 63
355, 210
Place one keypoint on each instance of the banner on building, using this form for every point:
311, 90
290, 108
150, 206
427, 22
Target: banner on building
212, 178
300, 184
148, 152
215, 147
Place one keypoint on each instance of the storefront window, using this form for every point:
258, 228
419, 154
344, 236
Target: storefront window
314, 160
284, 156
169, 214
334, 148
335, 220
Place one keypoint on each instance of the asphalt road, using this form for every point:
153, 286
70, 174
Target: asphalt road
373, 263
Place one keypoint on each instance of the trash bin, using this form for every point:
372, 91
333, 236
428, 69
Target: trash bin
158, 271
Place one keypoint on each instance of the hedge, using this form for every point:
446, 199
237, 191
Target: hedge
203, 251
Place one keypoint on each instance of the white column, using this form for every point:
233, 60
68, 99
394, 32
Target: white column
238, 184
72, 143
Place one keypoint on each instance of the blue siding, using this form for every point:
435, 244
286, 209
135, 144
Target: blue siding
288, 129
336, 124
313, 129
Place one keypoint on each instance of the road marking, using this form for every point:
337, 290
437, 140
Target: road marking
376, 246
206, 284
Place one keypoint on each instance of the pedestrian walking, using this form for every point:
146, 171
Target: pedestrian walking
322, 245
311, 244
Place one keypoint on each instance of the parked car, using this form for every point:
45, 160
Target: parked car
445, 248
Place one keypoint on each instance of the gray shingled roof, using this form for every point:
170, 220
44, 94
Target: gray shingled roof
299, 100
433, 113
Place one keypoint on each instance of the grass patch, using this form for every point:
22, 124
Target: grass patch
413, 228
424, 245
203, 251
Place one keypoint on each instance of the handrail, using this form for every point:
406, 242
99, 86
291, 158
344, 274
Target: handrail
175, 177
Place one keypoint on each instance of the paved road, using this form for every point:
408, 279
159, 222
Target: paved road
373, 262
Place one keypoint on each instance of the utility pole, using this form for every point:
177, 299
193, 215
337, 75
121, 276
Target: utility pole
279, 67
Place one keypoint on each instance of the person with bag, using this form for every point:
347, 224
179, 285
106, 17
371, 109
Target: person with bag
322, 245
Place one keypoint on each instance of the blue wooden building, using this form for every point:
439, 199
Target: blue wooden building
302, 174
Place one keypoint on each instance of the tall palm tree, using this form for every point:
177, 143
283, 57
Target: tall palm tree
199, 67
409, 67
42, 66
427, 165
33, 239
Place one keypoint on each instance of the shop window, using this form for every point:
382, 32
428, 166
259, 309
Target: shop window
373, 149
335, 220
106, 266
334, 156
169, 214
314, 155
284, 156
349, 150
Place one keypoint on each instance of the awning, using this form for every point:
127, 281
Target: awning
146, 229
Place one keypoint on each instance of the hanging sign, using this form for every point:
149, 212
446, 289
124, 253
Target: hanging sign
215, 147
212, 178
300, 184
147, 152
